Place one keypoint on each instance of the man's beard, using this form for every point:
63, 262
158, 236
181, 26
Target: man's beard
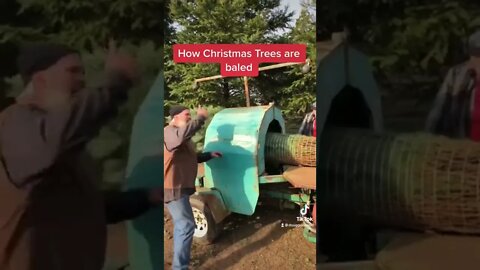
56, 99
181, 123
48, 101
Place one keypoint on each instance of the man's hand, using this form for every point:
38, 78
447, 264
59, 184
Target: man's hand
121, 62
155, 196
216, 155
202, 112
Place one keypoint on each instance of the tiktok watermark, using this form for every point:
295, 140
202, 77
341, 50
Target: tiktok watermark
289, 225
303, 218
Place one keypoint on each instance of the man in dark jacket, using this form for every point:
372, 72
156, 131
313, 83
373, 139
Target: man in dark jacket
180, 170
308, 127
456, 110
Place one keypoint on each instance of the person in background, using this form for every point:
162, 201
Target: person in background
52, 215
456, 109
180, 170
309, 127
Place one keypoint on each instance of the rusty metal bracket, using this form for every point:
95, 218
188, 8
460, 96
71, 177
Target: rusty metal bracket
214, 201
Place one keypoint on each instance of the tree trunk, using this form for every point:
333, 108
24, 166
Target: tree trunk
226, 92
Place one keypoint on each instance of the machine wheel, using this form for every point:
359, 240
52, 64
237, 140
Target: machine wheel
206, 229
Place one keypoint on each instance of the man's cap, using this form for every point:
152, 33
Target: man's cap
40, 56
474, 44
176, 109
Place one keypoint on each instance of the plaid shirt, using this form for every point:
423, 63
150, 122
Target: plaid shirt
453, 106
307, 125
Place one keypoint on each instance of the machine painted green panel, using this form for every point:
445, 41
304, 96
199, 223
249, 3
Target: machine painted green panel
145, 169
272, 179
344, 66
239, 133
271, 114
295, 198
331, 79
361, 77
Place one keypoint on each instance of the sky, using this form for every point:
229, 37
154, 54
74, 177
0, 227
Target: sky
293, 5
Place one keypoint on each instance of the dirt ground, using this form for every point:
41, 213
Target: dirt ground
255, 242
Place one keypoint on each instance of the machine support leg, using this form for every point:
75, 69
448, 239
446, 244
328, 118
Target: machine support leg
247, 93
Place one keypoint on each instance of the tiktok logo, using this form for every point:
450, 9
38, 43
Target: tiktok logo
304, 210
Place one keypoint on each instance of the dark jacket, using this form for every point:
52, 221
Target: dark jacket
125, 205
119, 205
307, 125
181, 160
453, 105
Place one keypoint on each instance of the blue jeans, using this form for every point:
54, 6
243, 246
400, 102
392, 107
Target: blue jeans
184, 227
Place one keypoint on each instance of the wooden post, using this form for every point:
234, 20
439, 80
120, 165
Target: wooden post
247, 93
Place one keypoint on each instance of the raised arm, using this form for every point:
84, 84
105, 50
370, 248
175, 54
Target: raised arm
92, 109
175, 136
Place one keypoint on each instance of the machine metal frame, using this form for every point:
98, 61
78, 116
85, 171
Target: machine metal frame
234, 183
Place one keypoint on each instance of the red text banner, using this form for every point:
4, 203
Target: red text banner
239, 59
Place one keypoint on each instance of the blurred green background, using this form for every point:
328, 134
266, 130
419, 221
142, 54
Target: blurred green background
411, 44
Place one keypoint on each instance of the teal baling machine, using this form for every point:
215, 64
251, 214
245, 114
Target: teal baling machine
235, 182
